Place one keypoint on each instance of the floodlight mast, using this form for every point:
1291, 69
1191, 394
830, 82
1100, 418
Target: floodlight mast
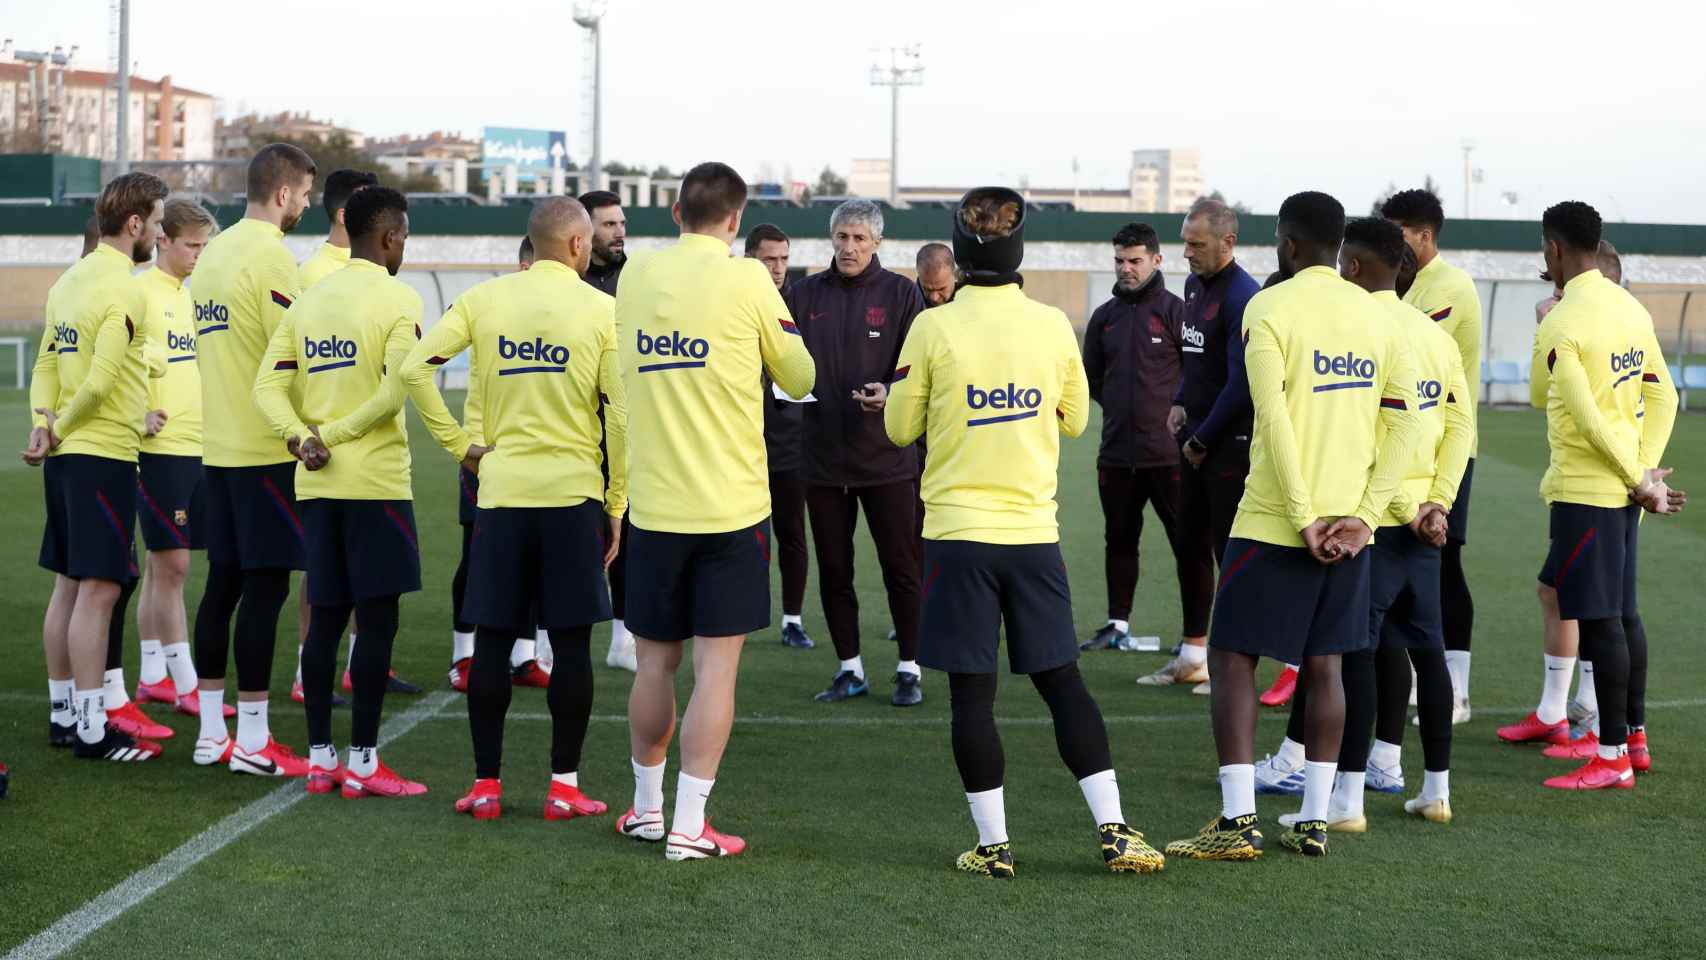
589, 16
904, 70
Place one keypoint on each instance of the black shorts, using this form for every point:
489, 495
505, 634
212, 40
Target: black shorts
91, 511
252, 517
1403, 594
1457, 521
538, 562
972, 590
1277, 602
467, 496
682, 585
170, 502
360, 550
1592, 560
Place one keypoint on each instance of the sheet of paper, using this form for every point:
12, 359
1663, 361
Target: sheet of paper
777, 390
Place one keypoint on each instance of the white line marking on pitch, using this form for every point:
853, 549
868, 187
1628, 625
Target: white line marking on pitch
72, 928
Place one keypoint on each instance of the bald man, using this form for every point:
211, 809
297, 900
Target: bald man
936, 276
547, 517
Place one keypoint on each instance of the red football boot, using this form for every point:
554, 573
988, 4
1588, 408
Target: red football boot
165, 692
484, 802
709, 843
531, 674
130, 719
1584, 747
273, 760
566, 803
322, 780
1531, 729
1597, 774
383, 782
459, 674
1640, 758
1280, 693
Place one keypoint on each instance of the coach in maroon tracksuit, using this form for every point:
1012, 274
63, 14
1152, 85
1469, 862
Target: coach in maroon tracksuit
854, 317
1132, 357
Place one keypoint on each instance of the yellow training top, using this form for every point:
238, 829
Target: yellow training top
991, 379
1610, 402
695, 328
1446, 428
546, 343
1447, 294
325, 261
1326, 366
90, 369
334, 349
243, 284
169, 326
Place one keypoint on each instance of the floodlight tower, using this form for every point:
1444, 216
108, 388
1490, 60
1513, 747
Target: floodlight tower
121, 26
904, 70
588, 17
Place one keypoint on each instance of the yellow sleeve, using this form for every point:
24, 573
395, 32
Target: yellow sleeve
449, 337
273, 381
1074, 409
780, 343
112, 343
906, 414
1539, 371
1459, 440
1265, 364
44, 378
388, 399
1659, 403
1570, 379
615, 396
1398, 415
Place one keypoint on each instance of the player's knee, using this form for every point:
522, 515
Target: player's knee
101, 593
1548, 595
169, 568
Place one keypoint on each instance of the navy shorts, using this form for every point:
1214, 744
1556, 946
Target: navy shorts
541, 565
467, 496
1403, 593
972, 590
682, 585
360, 550
1457, 521
252, 518
91, 511
1277, 602
1592, 560
170, 502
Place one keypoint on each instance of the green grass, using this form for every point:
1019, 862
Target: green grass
854, 812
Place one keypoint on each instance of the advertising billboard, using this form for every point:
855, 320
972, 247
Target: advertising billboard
534, 152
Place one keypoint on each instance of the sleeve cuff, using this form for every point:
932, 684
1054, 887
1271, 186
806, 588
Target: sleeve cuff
1370, 520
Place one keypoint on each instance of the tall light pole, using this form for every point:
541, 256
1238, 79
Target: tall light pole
904, 70
1468, 176
123, 155
588, 16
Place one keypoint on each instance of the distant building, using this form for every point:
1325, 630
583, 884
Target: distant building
1161, 181
239, 138
436, 153
49, 104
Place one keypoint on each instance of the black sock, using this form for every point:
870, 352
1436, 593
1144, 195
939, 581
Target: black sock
1433, 706
115, 627
1457, 607
370, 668
1079, 733
569, 695
977, 744
488, 699
459, 583
1357, 670
1299, 707
264, 594
1604, 643
1635, 633
1392, 685
319, 666
219, 597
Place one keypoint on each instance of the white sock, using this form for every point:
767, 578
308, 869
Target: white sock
542, 646
648, 787
1606, 751
1237, 790
363, 761
570, 779
299, 664
522, 652
1193, 655
323, 755
180, 666
1123, 626
690, 796
1102, 793
461, 645
1436, 785
61, 707
350, 663
1385, 755
1292, 667
619, 632
113, 688
1457, 664
1291, 753
989, 812
252, 730
153, 668
213, 715
1347, 794
1586, 695
1317, 788
1595, 724
91, 716
909, 666
1555, 689
792, 618
857, 665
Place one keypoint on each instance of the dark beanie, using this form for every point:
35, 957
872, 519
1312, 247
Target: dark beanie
989, 255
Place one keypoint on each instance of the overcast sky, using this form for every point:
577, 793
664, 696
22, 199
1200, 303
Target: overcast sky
1604, 102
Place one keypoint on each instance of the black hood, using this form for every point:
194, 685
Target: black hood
989, 259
